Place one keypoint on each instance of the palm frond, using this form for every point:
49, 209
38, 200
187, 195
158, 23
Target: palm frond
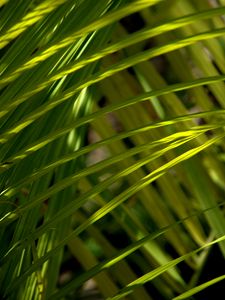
112, 141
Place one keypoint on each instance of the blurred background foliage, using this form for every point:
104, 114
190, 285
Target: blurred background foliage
112, 149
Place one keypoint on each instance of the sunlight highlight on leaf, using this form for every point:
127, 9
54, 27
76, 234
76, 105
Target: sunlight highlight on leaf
30, 19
